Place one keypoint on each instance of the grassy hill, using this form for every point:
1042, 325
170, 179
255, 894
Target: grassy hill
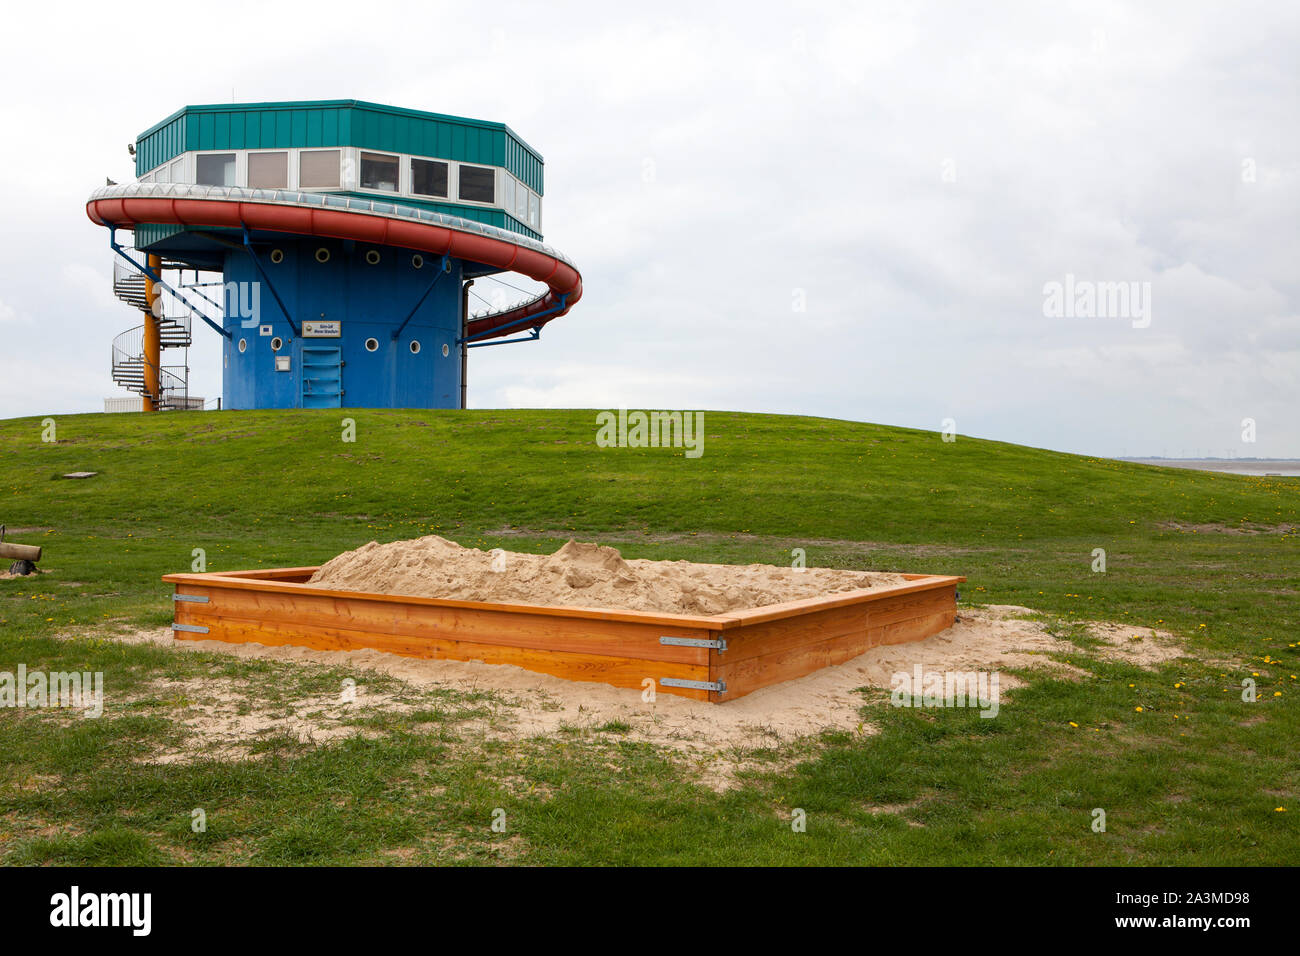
1215, 558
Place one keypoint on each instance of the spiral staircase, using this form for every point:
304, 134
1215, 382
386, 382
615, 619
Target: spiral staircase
174, 332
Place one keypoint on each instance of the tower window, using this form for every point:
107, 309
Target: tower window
215, 169
478, 183
429, 178
318, 169
268, 170
379, 171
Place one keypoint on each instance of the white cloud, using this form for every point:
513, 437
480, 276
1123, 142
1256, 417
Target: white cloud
794, 147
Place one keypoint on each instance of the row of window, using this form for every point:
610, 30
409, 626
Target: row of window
356, 169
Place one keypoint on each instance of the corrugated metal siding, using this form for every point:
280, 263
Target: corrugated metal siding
160, 145
527, 167
462, 143
296, 125
146, 235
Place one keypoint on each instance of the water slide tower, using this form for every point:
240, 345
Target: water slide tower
332, 245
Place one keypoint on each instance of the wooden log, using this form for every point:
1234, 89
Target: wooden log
20, 552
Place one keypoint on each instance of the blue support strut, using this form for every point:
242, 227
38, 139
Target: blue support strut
143, 269
444, 267
533, 336
510, 325
252, 254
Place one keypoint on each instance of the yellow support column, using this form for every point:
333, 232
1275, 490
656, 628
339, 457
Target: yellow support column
152, 342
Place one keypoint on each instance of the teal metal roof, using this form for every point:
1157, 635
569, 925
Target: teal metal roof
321, 123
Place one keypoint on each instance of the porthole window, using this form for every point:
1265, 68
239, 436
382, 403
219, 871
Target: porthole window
277, 256
277, 343
322, 254
445, 351
372, 257
372, 345
417, 261
243, 345
415, 348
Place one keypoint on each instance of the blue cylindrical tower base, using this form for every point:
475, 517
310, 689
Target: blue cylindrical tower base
347, 300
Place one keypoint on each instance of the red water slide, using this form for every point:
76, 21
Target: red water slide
129, 206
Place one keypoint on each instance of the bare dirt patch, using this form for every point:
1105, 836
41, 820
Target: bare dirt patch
1189, 527
716, 741
219, 714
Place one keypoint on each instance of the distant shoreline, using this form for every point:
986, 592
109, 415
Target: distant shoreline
1258, 467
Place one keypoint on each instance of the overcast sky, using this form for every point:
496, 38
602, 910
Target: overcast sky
850, 210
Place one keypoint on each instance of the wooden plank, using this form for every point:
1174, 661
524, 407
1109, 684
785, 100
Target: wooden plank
614, 638
245, 581
788, 661
618, 671
905, 606
784, 634
292, 575
915, 629
772, 636
773, 612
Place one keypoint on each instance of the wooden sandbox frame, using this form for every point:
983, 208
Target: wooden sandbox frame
715, 658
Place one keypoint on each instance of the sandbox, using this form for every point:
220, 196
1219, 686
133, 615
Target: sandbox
715, 658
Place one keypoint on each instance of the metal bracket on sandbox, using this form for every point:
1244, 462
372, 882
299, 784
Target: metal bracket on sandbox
720, 644
713, 686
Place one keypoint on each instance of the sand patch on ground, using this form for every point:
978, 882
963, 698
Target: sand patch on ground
219, 715
1141, 646
716, 740
1219, 527
579, 575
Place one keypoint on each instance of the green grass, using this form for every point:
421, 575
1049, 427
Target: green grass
1214, 558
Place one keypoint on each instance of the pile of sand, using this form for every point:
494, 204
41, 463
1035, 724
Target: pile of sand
579, 575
